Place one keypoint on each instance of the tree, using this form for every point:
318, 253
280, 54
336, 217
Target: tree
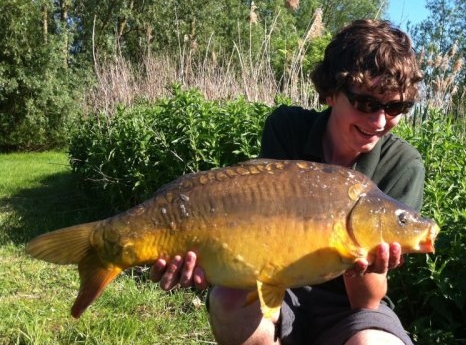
338, 13
35, 92
440, 41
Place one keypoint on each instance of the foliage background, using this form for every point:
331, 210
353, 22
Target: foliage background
140, 92
142, 147
430, 291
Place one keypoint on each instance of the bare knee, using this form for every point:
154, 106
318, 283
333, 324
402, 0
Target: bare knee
374, 336
235, 323
225, 300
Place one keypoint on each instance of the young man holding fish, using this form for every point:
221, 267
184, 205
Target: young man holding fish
368, 78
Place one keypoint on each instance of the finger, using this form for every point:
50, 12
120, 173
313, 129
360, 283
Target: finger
358, 269
199, 278
157, 270
381, 260
186, 277
395, 255
171, 276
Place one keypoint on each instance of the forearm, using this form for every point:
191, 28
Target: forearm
366, 286
365, 291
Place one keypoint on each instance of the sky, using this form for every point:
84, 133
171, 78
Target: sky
402, 11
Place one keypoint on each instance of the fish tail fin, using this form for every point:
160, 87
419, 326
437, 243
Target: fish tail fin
65, 246
72, 246
94, 278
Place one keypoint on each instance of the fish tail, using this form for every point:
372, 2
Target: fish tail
72, 246
66, 246
95, 276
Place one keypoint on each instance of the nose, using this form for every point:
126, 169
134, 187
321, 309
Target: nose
378, 119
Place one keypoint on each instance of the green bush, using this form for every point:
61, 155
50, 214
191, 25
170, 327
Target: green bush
132, 153
431, 290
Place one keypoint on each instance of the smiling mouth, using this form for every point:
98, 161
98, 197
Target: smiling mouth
367, 133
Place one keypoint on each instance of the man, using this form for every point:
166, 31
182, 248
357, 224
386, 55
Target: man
368, 78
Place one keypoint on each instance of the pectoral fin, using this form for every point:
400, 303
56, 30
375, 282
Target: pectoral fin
271, 298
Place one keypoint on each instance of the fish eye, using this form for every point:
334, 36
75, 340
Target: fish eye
402, 218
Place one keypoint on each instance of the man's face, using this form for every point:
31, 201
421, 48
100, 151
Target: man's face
363, 117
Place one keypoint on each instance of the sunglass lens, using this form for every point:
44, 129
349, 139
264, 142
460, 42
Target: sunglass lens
369, 106
396, 108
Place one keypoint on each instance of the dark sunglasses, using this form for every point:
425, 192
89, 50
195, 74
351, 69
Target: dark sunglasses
368, 104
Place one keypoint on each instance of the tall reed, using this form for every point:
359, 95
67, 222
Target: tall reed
243, 72
442, 89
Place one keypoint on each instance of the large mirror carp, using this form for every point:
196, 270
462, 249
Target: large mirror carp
264, 225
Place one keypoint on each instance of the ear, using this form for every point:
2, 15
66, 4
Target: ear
330, 100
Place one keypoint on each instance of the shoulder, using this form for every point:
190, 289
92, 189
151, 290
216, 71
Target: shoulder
286, 132
292, 115
291, 121
401, 171
397, 152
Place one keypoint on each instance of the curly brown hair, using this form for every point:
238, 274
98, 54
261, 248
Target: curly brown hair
364, 50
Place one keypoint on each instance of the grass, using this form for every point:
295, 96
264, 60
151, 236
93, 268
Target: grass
37, 194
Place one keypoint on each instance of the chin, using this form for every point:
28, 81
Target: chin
368, 147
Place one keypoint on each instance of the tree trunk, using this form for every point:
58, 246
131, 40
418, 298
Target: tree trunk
45, 23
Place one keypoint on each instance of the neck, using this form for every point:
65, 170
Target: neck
334, 157
334, 151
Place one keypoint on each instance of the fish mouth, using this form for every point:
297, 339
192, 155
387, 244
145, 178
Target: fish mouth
427, 245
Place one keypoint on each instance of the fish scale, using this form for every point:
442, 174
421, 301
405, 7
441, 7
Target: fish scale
262, 225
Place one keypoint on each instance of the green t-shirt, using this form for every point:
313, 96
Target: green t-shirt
393, 164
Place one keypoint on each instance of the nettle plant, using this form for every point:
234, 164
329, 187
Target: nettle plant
438, 314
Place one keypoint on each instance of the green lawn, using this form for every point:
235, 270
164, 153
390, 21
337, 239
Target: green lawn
37, 194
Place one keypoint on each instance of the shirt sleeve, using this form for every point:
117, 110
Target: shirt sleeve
274, 139
286, 132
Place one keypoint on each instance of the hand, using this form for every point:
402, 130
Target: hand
367, 290
179, 271
388, 256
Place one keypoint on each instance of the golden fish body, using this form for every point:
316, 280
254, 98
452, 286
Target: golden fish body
265, 223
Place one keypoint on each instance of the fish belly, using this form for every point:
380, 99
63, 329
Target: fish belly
237, 251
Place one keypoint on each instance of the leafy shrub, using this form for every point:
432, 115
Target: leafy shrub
438, 314
135, 151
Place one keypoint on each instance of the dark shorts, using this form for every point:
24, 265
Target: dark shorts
315, 316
